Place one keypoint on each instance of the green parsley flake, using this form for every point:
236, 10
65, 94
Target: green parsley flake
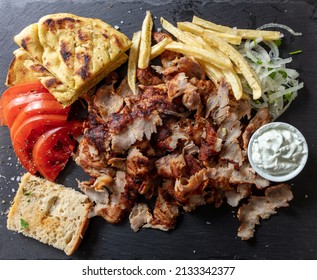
24, 224
25, 192
278, 42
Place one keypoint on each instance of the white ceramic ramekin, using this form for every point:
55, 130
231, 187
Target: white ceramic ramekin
264, 173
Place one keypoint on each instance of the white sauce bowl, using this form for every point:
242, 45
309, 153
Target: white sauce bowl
268, 156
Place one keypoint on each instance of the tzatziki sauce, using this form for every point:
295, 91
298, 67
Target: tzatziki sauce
278, 149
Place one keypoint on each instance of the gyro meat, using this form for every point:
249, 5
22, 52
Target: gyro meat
262, 207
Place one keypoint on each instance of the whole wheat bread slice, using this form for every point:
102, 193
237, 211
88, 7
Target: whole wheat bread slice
50, 213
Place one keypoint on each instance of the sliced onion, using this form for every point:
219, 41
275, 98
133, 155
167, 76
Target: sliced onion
276, 79
282, 26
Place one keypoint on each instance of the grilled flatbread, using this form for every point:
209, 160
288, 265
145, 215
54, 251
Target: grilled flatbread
77, 51
18, 73
24, 69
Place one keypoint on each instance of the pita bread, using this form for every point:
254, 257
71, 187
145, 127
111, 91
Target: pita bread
24, 69
78, 52
18, 73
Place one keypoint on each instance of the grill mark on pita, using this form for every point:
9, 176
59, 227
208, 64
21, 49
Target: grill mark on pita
83, 72
82, 35
117, 41
60, 23
65, 53
50, 82
24, 43
50, 23
105, 35
38, 68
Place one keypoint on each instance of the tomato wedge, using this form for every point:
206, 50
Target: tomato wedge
20, 114
16, 91
52, 150
25, 135
15, 106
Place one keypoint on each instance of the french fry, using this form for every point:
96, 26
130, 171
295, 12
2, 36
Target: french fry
196, 41
244, 33
212, 72
234, 80
198, 53
157, 49
179, 34
215, 75
210, 25
229, 38
145, 44
190, 27
198, 30
239, 61
264, 34
133, 61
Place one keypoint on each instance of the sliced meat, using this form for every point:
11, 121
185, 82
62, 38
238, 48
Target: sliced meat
106, 101
246, 174
138, 167
136, 130
166, 209
189, 192
261, 118
191, 68
92, 160
238, 193
262, 207
210, 144
187, 65
171, 165
109, 196
233, 153
169, 136
165, 212
179, 85
139, 216
146, 77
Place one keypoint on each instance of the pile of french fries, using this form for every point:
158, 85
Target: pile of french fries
212, 45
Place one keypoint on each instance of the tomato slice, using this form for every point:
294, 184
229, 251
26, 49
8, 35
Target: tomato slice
19, 90
18, 114
25, 135
53, 149
15, 106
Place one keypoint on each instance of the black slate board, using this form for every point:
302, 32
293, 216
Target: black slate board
207, 233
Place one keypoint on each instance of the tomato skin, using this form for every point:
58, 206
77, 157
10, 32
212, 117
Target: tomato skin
15, 106
53, 149
26, 134
16, 91
42, 138
38, 107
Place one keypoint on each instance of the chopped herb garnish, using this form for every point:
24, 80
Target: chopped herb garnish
259, 62
278, 42
296, 52
272, 75
287, 96
25, 192
24, 224
255, 42
283, 73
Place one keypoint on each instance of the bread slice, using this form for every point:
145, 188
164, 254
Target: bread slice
50, 213
77, 51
